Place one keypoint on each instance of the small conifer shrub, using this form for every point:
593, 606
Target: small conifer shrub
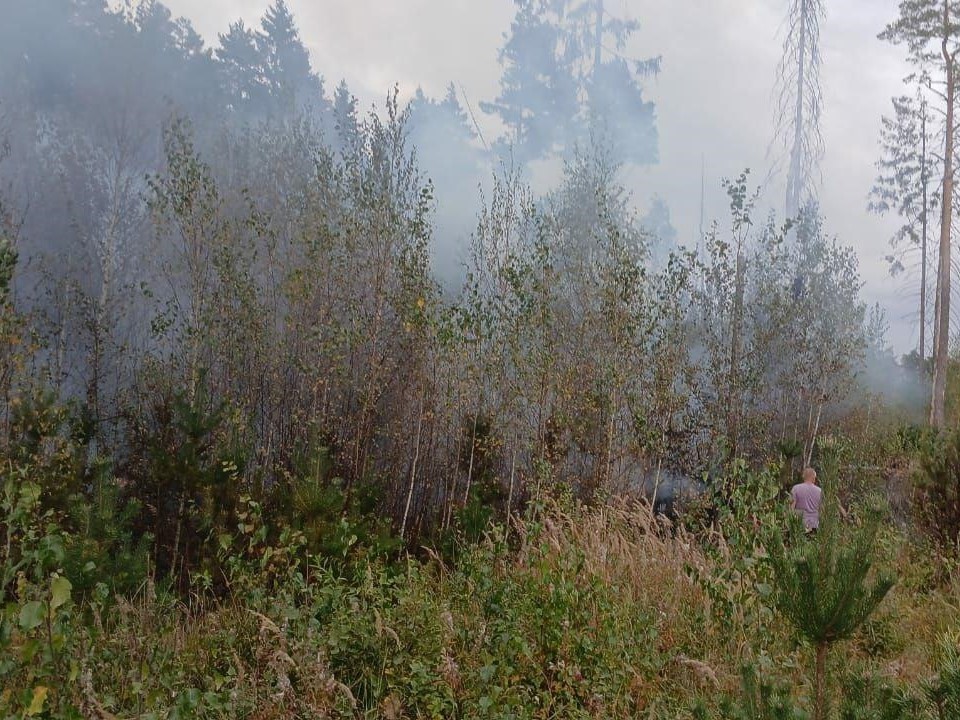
826, 585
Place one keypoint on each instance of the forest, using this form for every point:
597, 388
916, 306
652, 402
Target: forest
271, 447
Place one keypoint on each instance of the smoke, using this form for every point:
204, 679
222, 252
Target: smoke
85, 140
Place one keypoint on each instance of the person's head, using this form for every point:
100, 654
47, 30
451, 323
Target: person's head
809, 475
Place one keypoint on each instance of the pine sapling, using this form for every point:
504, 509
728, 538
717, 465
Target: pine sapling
763, 701
825, 585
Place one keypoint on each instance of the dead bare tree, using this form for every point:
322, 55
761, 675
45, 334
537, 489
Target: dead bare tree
799, 103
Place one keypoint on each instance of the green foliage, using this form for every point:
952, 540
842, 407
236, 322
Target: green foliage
31, 544
762, 700
335, 525
744, 506
37, 637
37, 643
305, 389
187, 478
868, 698
61, 503
102, 551
914, 438
546, 630
52, 437
824, 584
8, 261
937, 506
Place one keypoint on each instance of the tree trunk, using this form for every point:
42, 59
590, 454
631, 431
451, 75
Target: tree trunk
796, 171
608, 469
942, 356
820, 682
175, 555
598, 39
812, 431
473, 448
736, 340
413, 470
513, 468
923, 243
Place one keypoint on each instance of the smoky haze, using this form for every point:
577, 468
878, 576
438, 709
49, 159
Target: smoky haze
682, 98
216, 205
714, 96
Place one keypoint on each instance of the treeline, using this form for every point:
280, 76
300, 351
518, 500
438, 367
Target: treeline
283, 350
251, 316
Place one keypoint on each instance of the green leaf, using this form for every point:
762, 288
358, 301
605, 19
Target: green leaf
31, 615
60, 589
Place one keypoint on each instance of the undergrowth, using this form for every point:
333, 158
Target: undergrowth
567, 613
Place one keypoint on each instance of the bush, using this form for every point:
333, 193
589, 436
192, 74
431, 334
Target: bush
937, 502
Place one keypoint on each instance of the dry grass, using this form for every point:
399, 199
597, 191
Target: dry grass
649, 561
629, 547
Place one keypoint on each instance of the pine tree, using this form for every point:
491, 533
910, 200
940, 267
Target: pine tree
903, 186
657, 223
178, 65
619, 113
826, 586
762, 700
944, 691
538, 92
938, 490
441, 127
931, 31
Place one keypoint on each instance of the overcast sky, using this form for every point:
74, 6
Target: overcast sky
713, 95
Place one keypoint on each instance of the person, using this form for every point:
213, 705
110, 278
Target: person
806, 498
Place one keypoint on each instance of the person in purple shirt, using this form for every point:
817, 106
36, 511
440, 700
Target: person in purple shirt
806, 499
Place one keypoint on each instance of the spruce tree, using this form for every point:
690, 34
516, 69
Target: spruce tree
345, 117
242, 64
292, 83
566, 81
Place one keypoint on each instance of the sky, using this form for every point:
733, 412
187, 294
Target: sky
714, 95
